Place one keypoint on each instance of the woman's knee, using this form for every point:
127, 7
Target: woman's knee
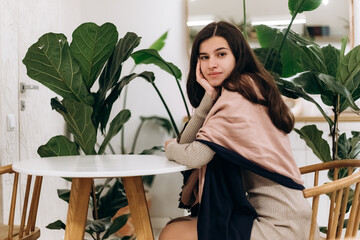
167, 233
180, 230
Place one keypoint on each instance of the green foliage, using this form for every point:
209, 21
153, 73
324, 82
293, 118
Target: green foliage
299, 6
57, 225
49, 61
302, 68
92, 47
77, 115
151, 56
70, 71
58, 146
313, 138
160, 43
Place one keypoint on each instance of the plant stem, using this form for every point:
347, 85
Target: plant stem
111, 148
183, 98
124, 106
245, 28
136, 136
286, 33
167, 109
123, 128
334, 132
95, 212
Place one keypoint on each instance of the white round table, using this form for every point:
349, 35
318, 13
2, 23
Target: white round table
83, 169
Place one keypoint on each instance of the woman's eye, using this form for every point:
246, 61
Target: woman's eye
203, 57
222, 54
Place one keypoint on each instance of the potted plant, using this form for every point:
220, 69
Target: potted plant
70, 70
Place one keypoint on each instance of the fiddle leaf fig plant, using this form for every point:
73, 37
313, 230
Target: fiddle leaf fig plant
94, 56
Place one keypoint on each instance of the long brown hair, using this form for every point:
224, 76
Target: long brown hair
247, 66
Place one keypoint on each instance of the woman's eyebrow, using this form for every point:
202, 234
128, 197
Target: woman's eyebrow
216, 50
221, 48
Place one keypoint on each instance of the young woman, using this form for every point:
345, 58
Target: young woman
246, 184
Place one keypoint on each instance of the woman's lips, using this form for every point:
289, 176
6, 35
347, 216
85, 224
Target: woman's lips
214, 73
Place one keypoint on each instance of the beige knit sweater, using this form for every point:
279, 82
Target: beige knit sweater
283, 213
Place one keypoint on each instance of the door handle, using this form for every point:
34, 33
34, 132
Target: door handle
24, 87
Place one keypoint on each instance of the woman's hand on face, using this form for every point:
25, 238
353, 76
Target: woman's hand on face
167, 142
210, 90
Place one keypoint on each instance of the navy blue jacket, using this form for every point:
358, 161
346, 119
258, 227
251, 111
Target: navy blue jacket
225, 212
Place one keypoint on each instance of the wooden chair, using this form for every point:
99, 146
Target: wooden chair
26, 229
339, 189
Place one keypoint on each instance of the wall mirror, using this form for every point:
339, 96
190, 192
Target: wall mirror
327, 24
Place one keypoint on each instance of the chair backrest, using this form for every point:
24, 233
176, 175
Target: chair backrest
27, 229
339, 191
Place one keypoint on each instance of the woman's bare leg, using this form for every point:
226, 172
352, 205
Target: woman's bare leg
184, 228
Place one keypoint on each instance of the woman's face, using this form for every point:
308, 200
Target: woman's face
216, 60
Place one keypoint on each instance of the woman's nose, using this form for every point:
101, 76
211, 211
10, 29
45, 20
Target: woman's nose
212, 63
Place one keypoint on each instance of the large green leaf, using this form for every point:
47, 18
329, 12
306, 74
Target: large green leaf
118, 223
91, 46
115, 126
313, 59
297, 54
112, 70
355, 93
349, 68
57, 225
268, 37
309, 82
344, 147
49, 62
331, 57
78, 117
289, 89
355, 145
160, 42
111, 74
336, 88
349, 148
267, 57
64, 194
313, 138
58, 146
151, 56
112, 200
98, 226
299, 6
104, 112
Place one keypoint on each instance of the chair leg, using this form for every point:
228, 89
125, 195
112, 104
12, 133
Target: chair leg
13, 203
34, 205
26, 201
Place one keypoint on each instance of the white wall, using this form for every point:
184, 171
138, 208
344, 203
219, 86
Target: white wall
356, 22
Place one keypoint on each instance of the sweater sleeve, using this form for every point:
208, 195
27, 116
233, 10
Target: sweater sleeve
188, 151
197, 120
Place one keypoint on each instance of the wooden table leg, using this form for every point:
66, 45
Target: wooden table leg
78, 208
139, 211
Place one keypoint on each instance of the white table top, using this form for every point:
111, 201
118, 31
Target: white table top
98, 166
